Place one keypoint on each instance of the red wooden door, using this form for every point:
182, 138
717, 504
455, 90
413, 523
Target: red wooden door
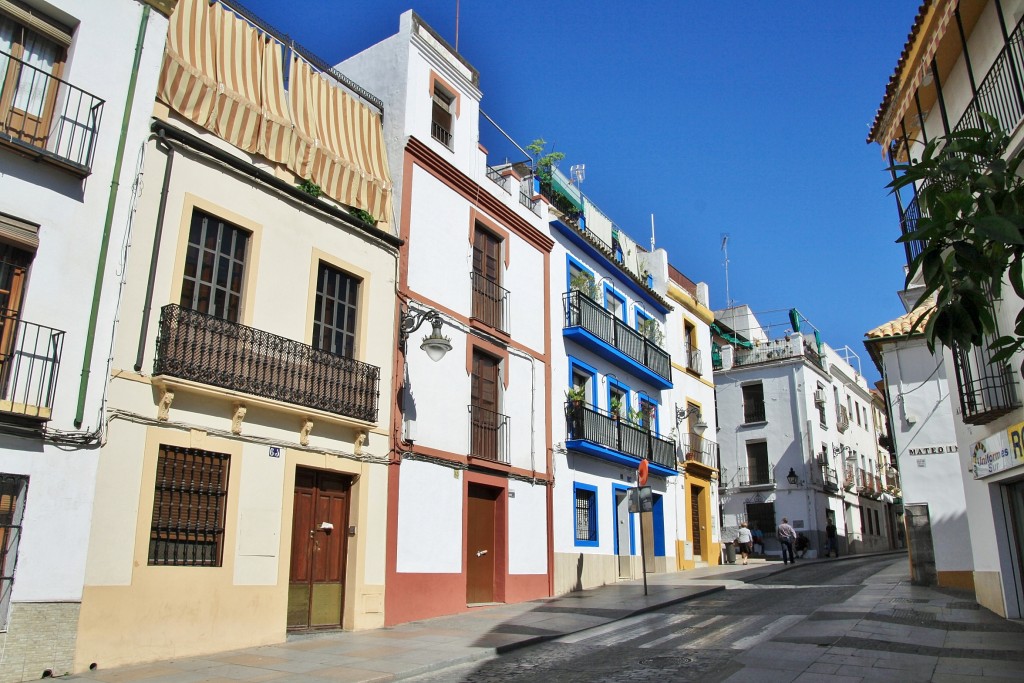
319, 531
487, 278
480, 544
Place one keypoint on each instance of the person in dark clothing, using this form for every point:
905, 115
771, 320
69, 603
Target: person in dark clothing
786, 536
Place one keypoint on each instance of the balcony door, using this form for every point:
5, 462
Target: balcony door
29, 66
487, 292
14, 265
316, 585
214, 267
484, 417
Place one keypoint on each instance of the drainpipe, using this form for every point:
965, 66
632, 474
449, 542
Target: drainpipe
151, 283
83, 388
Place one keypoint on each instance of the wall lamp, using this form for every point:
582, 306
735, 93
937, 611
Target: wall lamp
435, 344
683, 413
793, 478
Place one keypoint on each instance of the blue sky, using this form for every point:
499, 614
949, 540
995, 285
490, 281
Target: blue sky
746, 118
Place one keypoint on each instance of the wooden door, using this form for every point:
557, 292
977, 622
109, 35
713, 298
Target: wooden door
319, 533
484, 407
696, 525
480, 544
14, 264
28, 91
487, 286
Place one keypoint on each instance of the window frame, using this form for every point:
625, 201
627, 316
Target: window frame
443, 101
14, 486
753, 417
351, 305
758, 443
590, 492
195, 265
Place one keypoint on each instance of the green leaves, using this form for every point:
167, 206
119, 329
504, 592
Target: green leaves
971, 227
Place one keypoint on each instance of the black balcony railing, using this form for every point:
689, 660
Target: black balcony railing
201, 348
490, 302
987, 391
699, 449
748, 477
441, 134
497, 178
582, 311
830, 479
488, 434
48, 117
590, 424
29, 361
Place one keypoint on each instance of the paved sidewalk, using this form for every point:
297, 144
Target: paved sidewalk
411, 649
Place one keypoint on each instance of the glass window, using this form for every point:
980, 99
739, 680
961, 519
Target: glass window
586, 515
753, 403
335, 316
441, 118
214, 267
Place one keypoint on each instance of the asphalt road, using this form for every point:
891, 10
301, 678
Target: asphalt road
690, 641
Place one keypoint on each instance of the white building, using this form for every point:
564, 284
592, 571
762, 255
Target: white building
241, 490
796, 437
470, 484
962, 59
76, 90
924, 439
614, 370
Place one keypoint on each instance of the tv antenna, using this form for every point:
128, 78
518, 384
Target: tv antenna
725, 252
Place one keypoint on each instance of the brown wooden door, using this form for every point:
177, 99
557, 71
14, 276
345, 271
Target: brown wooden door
695, 521
319, 532
28, 90
480, 544
14, 264
487, 283
484, 418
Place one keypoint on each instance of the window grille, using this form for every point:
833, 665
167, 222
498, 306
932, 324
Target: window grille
12, 510
188, 508
586, 520
761, 516
214, 267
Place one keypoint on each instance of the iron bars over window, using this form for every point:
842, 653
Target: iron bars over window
201, 348
489, 434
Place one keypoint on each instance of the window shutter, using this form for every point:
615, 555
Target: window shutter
19, 232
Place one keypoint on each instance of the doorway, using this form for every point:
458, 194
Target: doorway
623, 534
316, 584
481, 544
696, 523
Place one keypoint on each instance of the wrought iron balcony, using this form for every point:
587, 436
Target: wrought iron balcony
778, 349
46, 117
490, 302
201, 348
488, 434
499, 179
754, 412
987, 391
830, 479
29, 361
441, 134
755, 477
698, 449
609, 430
849, 477
583, 312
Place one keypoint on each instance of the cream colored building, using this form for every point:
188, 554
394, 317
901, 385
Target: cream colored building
242, 486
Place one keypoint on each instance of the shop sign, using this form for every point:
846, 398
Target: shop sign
998, 452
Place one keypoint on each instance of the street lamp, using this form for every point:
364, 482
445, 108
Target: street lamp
435, 344
792, 477
683, 413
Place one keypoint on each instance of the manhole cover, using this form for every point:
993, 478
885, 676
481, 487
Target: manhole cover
665, 662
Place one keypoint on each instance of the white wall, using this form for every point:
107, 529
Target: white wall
430, 543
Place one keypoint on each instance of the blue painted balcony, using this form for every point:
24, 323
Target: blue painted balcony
594, 328
607, 436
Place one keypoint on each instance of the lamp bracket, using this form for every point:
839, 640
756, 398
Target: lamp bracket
412, 320
683, 413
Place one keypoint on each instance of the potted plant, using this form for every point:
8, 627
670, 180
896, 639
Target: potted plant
583, 282
615, 407
576, 396
650, 329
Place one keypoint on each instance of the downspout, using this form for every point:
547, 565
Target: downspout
151, 283
83, 388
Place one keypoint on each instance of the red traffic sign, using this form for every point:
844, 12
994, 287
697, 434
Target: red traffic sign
641, 473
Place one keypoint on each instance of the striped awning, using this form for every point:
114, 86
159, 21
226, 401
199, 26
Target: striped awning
919, 66
227, 76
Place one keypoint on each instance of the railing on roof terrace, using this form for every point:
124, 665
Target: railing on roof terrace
607, 429
778, 349
48, 117
498, 178
582, 311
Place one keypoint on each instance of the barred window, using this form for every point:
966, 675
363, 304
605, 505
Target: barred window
586, 515
761, 516
188, 508
12, 510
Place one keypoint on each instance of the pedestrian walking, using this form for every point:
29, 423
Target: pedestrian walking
758, 543
786, 536
744, 539
831, 538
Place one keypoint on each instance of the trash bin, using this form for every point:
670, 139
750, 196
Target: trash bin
730, 552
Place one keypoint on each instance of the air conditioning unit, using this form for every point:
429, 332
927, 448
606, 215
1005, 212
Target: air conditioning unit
819, 396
